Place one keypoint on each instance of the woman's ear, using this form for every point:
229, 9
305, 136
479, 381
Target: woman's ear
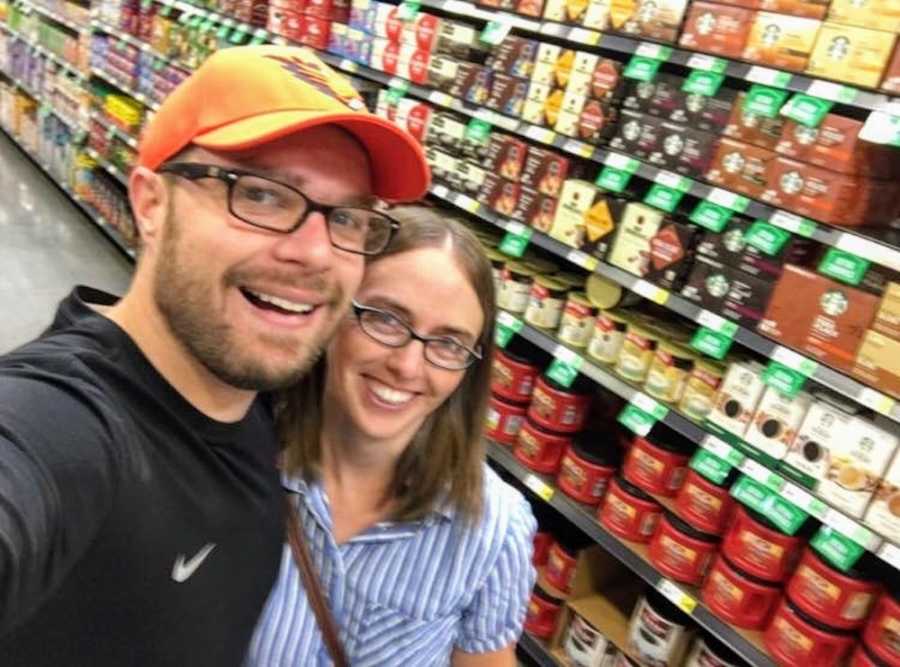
149, 199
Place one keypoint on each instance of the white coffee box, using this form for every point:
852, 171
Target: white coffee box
738, 396
777, 420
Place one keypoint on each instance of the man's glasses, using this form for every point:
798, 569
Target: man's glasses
388, 329
271, 205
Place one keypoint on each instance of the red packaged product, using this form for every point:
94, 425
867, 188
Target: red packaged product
705, 505
560, 409
561, 564
715, 28
543, 613
681, 552
794, 639
756, 546
513, 376
541, 552
657, 463
882, 633
587, 467
628, 512
738, 597
864, 657
316, 33
539, 449
504, 419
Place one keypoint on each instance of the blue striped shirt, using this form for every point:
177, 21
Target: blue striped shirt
405, 593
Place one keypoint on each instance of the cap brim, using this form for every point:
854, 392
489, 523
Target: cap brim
399, 169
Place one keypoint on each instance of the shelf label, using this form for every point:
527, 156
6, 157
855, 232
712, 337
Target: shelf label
348, 65
837, 549
710, 466
650, 291
730, 200
702, 82
847, 527
783, 379
881, 128
478, 130
649, 405
583, 36
711, 343
881, 254
541, 134
766, 238
612, 179
676, 596
707, 63
653, 51
717, 323
466, 203
578, 148
673, 181
408, 10
876, 401
507, 327
636, 420
495, 32
768, 77
662, 197
622, 162
583, 260
486, 116
890, 554
832, 91
440, 191
794, 361
764, 101
843, 266
722, 449
793, 223
439, 98
543, 490
764, 500
762, 475
641, 68
806, 109
515, 241
565, 366
711, 216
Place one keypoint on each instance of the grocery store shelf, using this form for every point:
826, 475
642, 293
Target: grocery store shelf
582, 37
111, 169
124, 87
863, 244
59, 60
59, 18
99, 26
108, 230
583, 517
114, 130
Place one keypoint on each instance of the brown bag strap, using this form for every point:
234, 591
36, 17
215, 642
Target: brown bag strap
313, 588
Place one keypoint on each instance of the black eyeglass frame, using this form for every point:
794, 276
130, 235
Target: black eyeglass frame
194, 171
359, 309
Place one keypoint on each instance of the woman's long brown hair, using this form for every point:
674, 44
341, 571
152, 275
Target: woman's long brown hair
445, 460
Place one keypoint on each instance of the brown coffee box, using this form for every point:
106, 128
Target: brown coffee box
819, 316
887, 320
752, 128
499, 194
891, 82
684, 150
533, 8
782, 41
854, 55
717, 28
835, 145
506, 156
730, 249
638, 134
741, 167
878, 363
546, 170
656, 19
514, 56
672, 254
606, 80
813, 9
727, 290
663, 97
508, 94
597, 122
472, 83
535, 209
875, 14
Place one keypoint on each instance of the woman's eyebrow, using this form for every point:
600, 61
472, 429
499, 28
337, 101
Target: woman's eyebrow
400, 309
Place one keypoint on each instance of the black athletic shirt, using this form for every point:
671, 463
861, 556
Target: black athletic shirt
112, 490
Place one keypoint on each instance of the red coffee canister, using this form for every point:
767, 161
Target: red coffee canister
543, 613
658, 462
863, 656
541, 548
539, 449
513, 376
587, 466
738, 597
705, 505
756, 546
561, 565
628, 512
558, 409
842, 600
882, 633
681, 552
794, 639
504, 419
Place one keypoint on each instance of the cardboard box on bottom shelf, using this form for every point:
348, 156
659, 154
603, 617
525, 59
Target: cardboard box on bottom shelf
818, 316
883, 515
782, 41
594, 628
878, 363
717, 28
740, 167
656, 19
854, 55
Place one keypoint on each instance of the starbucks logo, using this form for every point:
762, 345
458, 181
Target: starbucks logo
734, 163
806, 136
706, 23
717, 285
673, 145
791, 183
733, 240
632, 130
834, 303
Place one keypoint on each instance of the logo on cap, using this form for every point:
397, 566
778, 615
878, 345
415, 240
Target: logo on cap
322, 79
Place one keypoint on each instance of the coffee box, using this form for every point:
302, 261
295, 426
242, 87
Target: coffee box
638, 134
727, 290
739, 394
596, 122
414, 117
596, 15
778, 417
664, 98
656, 19
576, 199
781, 41
535, 209
442, 164
569, 114
471, 177
891, 82
499, 194
854, 55
752, 128
875, 14
878, 363
716, 28
472, 83
883, 515
533, 8
600, 221
508, 94
741, 167
442, 71
456, 39
823, 429
533, 111
562, 68
544, 69
814, 9
631, 248
506, 156
857, 464
446, 131
546, 170
818, 316
514, 56
684, 150
887, 319
671, 254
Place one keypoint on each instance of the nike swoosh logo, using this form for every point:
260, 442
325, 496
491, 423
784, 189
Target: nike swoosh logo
182, 570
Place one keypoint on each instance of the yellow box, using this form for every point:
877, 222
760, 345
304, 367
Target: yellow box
781, 41
850, 54
875, 14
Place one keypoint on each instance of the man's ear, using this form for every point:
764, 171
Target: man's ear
149, 199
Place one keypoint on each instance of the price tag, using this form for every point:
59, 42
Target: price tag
878, 253
707, 63
554, 29
711, 216
506, 122
701, 82
495, 32
730, 200
766, 238
514, 244
649, 405
654, 51
762, 475
764, 101
768, 77
466, 203
650, 291
408, 10
783, 379
710, 466
876, 401
843, 266
806, 109
717, 323
622, 162
847, 527
612, 179
440, 191
662, 197
711, 343
442, 99
794, 361
676, 596
541, 134
349, 66
881, 128
583, 260
543, 490
722, 449
486, 115
565, 366
583, 36
507, 327
640, 68
890, 554
578, 148
832, 91
636, 420
793, 223
674, 181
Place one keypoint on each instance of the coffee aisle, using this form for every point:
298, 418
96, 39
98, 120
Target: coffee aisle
47, 248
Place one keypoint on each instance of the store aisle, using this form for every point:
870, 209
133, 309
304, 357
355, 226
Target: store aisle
46, 247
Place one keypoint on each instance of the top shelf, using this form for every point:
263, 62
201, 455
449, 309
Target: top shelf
829, 90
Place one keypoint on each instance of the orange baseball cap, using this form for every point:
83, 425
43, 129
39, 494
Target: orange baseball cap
246, 96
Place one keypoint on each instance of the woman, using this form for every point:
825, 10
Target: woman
423, 552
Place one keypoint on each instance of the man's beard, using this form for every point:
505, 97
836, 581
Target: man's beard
188, 306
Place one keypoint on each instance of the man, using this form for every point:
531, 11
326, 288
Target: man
140, 508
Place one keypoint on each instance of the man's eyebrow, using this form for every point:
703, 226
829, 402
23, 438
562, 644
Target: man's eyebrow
298, 182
